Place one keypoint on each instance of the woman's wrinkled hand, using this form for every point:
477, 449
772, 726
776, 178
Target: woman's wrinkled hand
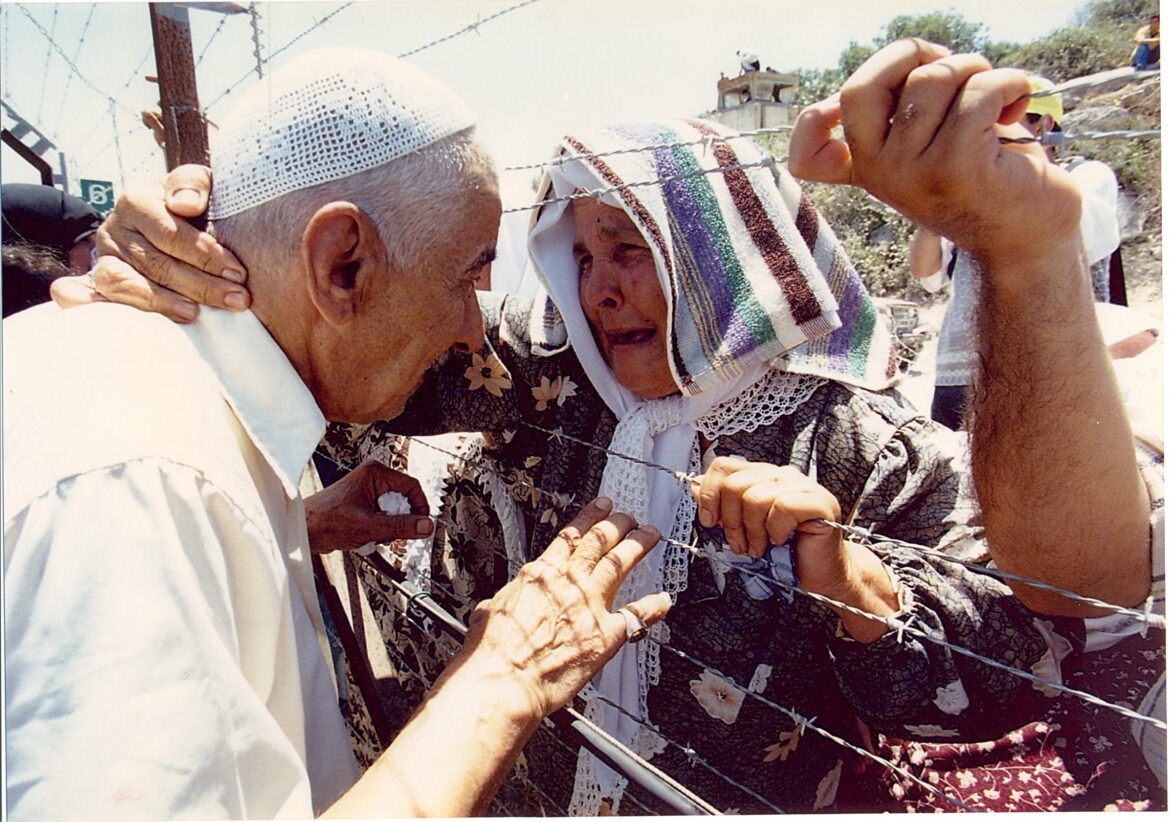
551, 628
758, 504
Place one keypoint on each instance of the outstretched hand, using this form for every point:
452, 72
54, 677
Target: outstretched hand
921, 132
154, 258
551, 627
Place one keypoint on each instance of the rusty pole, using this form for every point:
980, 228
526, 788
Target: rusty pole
186, 130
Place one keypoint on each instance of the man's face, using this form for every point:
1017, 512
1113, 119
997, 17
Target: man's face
415, 317
622, 299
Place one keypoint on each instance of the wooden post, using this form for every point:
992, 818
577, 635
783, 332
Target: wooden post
186, 130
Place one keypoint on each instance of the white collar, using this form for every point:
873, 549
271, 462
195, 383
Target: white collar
262, 387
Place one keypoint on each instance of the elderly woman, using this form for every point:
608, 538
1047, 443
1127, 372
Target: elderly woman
710, 323
699, 318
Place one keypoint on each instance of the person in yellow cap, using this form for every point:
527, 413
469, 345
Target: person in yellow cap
1044, 114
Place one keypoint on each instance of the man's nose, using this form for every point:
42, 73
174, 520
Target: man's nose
470, 336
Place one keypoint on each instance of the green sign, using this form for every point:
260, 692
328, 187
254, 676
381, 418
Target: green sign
99, 194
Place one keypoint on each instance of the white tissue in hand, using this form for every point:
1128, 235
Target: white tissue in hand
393, 502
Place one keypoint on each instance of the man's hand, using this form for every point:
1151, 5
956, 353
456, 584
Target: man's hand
528, 650
759, 504
345, 515
921, 132
155, 259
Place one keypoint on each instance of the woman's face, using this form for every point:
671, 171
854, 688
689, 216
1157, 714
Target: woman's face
622, 299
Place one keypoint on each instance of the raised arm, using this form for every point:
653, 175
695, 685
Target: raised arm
1053, 453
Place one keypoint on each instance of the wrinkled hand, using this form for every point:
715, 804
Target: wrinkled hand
155, 259
759, 504
551, 628
345, 515
921, 129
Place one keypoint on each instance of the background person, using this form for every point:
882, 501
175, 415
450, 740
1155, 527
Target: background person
46, 234
1147, 52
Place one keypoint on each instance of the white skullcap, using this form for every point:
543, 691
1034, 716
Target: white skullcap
327, 115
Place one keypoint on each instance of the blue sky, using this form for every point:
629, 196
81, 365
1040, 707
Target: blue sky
531, 74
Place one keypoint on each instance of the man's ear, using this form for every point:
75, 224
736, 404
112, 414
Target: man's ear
342, 253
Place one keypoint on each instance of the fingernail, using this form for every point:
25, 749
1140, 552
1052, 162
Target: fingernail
652, 531
705, 518
235, 300
186, 310
235, 275
186, 196
604, 503
423, 526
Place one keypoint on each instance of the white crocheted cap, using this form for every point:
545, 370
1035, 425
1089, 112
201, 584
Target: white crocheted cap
329, 114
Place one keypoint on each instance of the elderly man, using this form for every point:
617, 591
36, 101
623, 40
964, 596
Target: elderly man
165, 652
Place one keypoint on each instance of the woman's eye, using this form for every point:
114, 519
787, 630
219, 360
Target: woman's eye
627, 251
584, 263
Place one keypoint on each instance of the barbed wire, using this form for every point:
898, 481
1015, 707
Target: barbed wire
316, 25
76, 55
473, 27
69, 63
768, 162
223, 18
254, 17
45, 69
708, 140
686, 479
693, 756
133, 76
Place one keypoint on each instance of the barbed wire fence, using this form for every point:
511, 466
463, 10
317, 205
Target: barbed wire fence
899, 627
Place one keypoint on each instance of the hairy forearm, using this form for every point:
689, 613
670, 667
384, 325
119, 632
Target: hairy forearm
1052, 450
452, 756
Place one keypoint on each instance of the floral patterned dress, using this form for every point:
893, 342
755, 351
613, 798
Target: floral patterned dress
808, 696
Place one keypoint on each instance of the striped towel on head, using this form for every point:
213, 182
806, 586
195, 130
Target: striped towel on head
750, 269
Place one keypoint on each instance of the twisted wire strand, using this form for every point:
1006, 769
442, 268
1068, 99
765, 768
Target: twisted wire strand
254, 19
69, 77
711, 138
767, 162
796, 717
1122, 134
203, 52
69, 63
898, 625
89, 137
686, 479
472, 27
45, 70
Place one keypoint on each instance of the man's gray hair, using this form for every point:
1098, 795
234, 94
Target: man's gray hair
413, 200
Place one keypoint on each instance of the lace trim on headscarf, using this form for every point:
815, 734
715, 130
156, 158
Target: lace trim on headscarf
777, 394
